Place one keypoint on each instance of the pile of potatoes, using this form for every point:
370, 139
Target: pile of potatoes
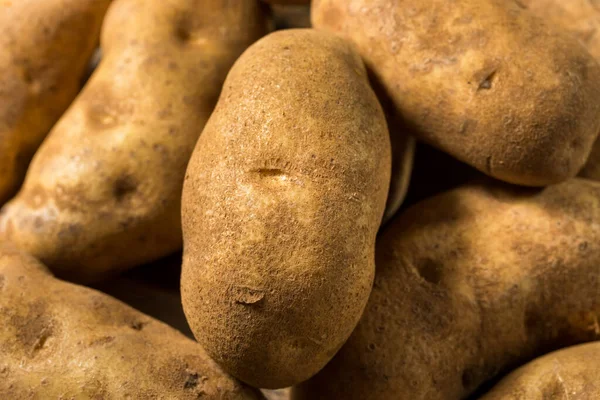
347, 199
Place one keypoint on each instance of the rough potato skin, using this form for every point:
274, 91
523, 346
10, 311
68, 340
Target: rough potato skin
104, 191
483, 80
582, 19
470, 284
63, 341
45, 46
572, 374
282, 200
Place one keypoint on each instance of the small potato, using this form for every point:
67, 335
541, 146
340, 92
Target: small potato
470, 283
572, 374
103, 193
45, 49
482, 80
582, 19
62, 341
282, 201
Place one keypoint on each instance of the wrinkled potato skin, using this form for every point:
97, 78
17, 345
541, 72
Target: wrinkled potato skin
572, 373
60, 340
482, 80
281, 204
470, 284
582, 19
45, 46
103, 192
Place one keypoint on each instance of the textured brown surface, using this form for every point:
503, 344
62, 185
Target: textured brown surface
483, 80
281, 204
470, 284
103, 192
582, 19
45, 47
569, 374
62, 341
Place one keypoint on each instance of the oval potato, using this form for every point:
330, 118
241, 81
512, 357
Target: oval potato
63, 341
482, 80
46, 46
572, 373
581, 18
103, 193
282, 201
470, 283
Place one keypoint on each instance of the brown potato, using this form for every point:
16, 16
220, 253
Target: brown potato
483, 80
282, 201
46, 46
63, 341
582, 19
469, 284
103, 193
572, 374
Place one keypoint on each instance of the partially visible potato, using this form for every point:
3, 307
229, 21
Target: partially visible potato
282, 201
45, 49
582, 19
571, 374
403, 154
62, 341
103, 193
482, 80
469, 284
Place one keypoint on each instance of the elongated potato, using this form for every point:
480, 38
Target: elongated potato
46, 46
469, 284
104, 191
483, 80
582, 19
62, 341
572, 374
281, 204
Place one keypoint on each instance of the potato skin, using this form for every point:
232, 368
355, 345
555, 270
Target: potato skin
482, 80
103, 193
572, 373
282, 201
469, 284
581, 18
60, 340
45, 46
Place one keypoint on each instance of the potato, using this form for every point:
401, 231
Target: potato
45, 46
104, 191
572, 373
483, 80
281, 204
403, 154
60, 340
470, 283
582, 19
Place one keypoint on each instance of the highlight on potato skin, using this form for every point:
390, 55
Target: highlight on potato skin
60, 340
572, 373
581, 18
103, 192
45, 46
468, 285
482, 80
282, 201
